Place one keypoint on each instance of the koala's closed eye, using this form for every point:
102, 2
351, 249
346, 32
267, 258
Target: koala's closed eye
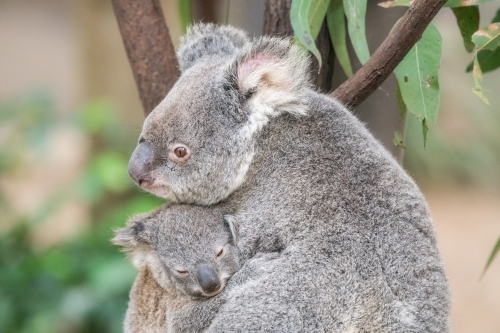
180, 271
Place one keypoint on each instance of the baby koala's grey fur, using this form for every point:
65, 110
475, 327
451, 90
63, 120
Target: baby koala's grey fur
302, 176
172, 238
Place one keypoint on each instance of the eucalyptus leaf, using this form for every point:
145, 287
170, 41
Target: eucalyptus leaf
425, 130
185, 13
449, 3
478, 77
468, 23
306, 18
355, 11
316, 15
488, 60
417, 77
401, 103
485, 39
497, 17
492, 256
336, 26
398, 140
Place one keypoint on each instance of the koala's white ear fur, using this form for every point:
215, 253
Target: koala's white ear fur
233, 225
134, 239
273, 73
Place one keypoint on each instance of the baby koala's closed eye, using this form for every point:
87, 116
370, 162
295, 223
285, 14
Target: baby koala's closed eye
190, 252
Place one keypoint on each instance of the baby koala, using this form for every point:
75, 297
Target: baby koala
185, 255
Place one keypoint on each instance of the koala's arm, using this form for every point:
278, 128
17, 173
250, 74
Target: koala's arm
298, 292
197, 315
147, 306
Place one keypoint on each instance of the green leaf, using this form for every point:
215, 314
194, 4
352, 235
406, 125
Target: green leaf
316, 15
185, 14
336, 25
468, 23
394, 3
485, 39
355, 10
425, 130
478, 77
492, 256
488, 60
398, 140
449, 3
497, 17
417, 76
401, 104
307, 17
464, 3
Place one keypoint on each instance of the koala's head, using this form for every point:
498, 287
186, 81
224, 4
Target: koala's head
190, 250
197, 145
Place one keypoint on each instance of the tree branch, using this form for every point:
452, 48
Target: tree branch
149, 49
389, 54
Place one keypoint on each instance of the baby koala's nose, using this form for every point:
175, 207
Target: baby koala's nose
207, 279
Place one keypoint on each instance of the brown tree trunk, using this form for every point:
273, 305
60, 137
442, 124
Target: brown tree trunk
149, 49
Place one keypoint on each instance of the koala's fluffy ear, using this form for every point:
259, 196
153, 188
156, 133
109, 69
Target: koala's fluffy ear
233, 228
135, 235
273, 74
203, 41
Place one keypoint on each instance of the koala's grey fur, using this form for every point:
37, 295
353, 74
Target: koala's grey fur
177, 237
303, 176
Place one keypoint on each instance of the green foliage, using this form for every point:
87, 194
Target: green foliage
468, 23
185, 15
355, 11
82, 284
306, 17
417, 74
492, 256
336, 26
449, 3
417, 77
485, 39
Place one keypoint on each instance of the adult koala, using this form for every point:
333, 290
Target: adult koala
243, 127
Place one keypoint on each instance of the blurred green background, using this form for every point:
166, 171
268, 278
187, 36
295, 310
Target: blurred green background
69, 120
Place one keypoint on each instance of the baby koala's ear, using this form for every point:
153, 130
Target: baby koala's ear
233, 228
135, 235
273, 75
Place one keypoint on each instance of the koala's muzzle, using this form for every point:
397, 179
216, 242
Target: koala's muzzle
208, 279
139, 166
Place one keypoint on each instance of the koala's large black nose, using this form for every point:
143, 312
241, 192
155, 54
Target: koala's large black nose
139, 166
208, 279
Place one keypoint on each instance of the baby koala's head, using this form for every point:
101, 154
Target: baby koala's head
190, 250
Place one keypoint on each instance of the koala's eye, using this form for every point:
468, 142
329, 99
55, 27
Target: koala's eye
220, 253
179, 153
181, 271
